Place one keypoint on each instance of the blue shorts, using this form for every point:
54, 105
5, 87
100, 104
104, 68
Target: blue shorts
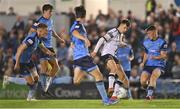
85, 63
44, 56
25, 67
149, 69
128, 73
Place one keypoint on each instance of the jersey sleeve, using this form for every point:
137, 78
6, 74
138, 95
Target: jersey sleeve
164, 46
107, 36
77, 27
28, 41
144, 47
34, 26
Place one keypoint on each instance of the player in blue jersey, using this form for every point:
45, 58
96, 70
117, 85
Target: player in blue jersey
82, 60
47, 73
125, 55
23, 63
154, 60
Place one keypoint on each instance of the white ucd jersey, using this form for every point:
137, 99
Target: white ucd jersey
113, 39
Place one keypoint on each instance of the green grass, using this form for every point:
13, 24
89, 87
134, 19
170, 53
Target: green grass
123, 104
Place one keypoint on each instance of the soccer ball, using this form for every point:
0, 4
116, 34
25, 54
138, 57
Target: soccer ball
121, 93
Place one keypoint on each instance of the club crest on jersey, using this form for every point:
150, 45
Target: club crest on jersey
30, 41
36, 24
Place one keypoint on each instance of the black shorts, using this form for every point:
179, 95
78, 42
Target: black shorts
44, 56
107, 57
25, 68
85, 63
149, 69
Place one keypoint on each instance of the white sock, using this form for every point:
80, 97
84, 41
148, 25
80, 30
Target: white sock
111, 80
116, 88
17, 80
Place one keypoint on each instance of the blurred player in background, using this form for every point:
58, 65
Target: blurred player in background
110, 41
125, 55
82, 60
49, 64
23, 63
154, 60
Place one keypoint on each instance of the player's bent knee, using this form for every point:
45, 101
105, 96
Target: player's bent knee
36, 78
76, 82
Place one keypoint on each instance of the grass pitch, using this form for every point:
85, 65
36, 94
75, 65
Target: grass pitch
91, 104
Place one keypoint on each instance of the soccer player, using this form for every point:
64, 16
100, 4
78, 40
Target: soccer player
82, 60
23, 63
111, 40
125, 55
154, 60
47, 73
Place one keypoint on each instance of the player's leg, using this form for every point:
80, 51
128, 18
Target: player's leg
32, 87
78, 75
111, 65
55, 67
128, 73
122, 76
100, 86
121, 81
44, 69
152, 85
32, 82
51, 73
144, 79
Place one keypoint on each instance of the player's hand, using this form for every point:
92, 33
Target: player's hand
87, 42
17, 67
62, 41
93, 54
142, 65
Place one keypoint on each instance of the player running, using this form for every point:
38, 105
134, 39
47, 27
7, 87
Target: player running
110, 41
23, 63
154, 60
82, 60
125, 55
47, 73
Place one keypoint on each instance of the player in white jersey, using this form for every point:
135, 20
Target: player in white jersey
110, 41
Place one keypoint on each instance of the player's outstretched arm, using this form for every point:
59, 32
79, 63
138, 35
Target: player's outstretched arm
79, 36
20, 50
45, 50
100, 42
58, 37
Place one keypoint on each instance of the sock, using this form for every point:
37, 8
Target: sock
116, 87
20, 81
32, 89
11, 79
43, 80
150, 91
102, 91
111, 80
129, 93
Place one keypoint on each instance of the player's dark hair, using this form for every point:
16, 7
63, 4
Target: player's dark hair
47, 7
150, 28
80, 12
125, 21
42, 25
